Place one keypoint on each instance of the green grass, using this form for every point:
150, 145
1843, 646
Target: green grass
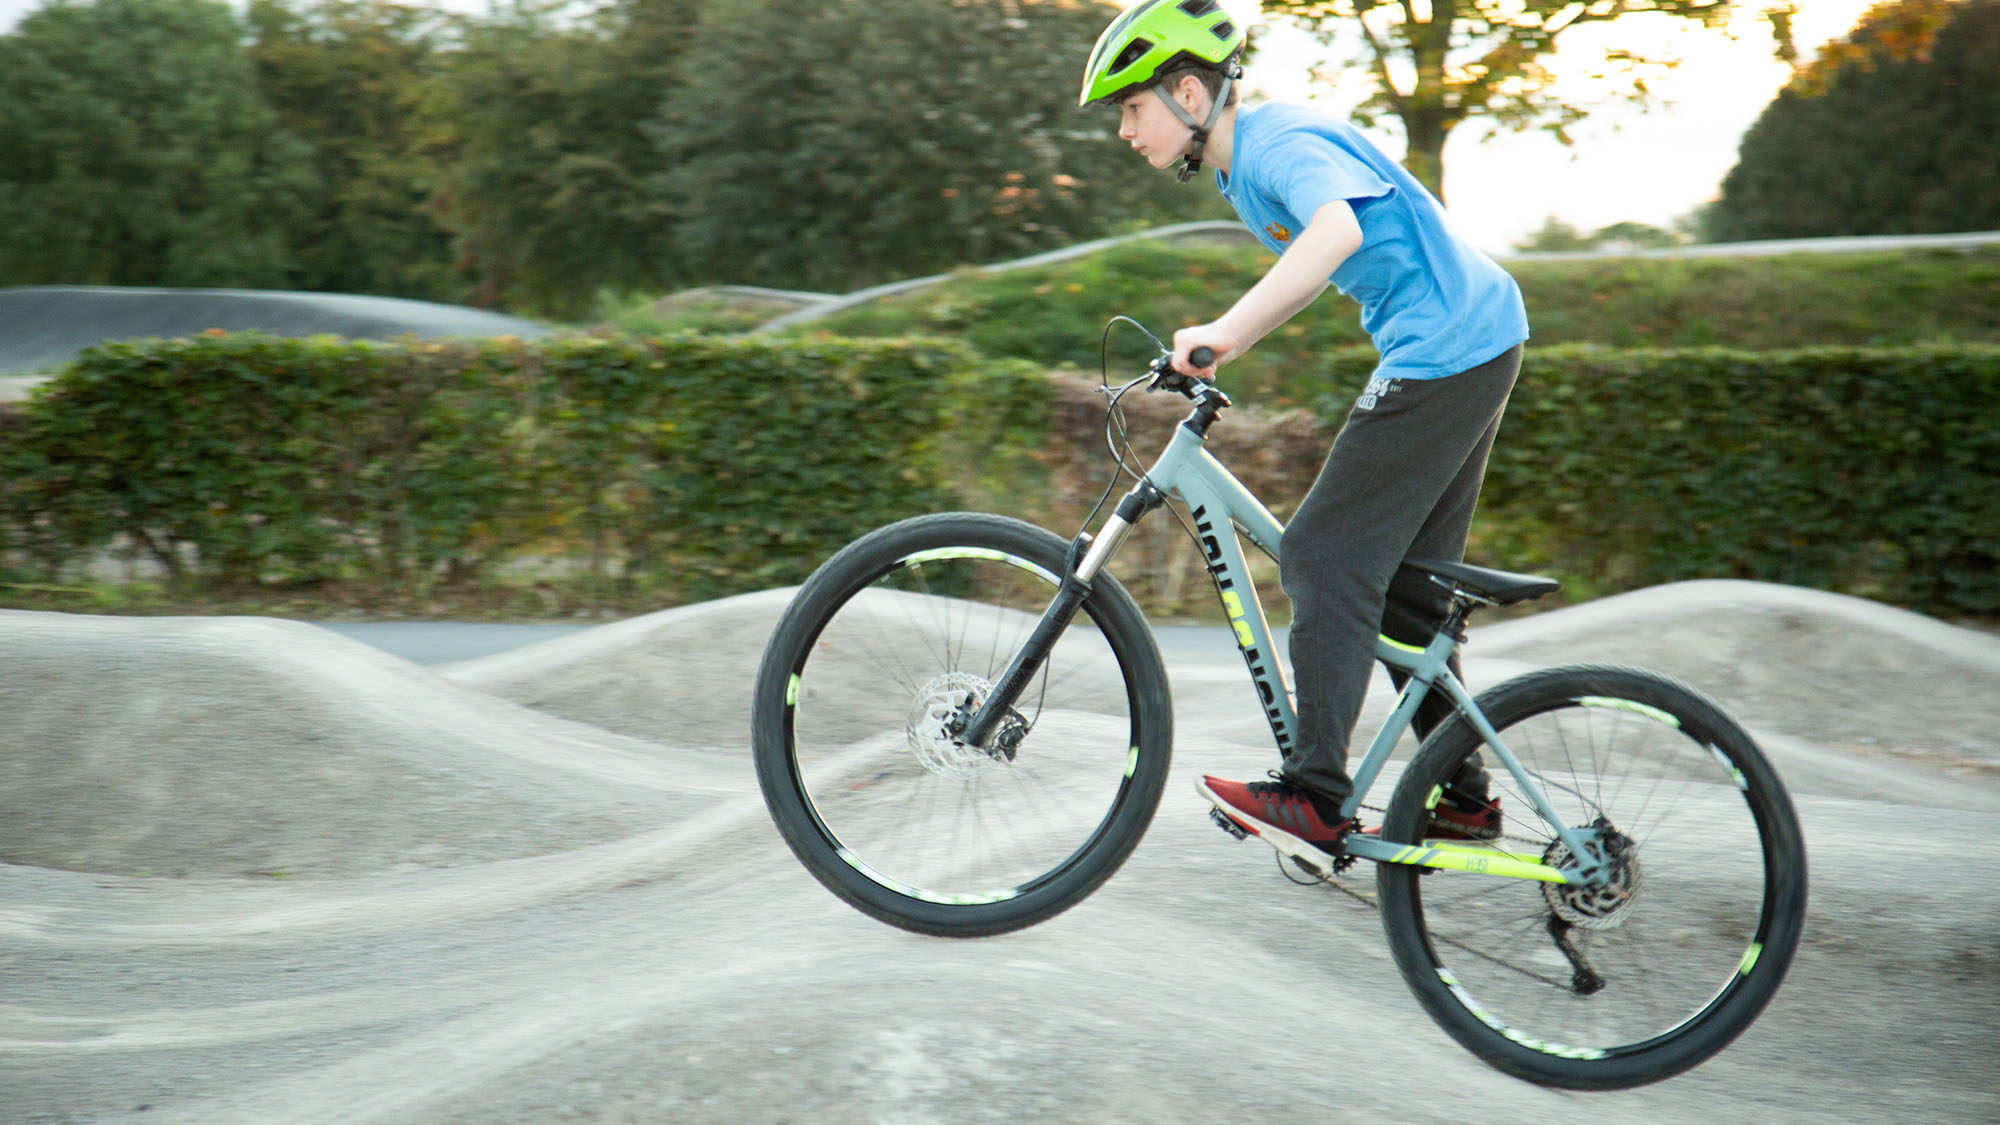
710, 311
1054, 315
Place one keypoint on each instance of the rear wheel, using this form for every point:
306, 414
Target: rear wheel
873, 671
1663, 964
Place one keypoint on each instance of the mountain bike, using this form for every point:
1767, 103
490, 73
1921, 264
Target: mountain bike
962, 726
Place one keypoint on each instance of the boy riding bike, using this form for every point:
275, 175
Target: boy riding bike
1404, 473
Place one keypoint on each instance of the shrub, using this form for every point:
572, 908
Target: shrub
701, 465
243, 457
1869, 471
1864, 470
717, 463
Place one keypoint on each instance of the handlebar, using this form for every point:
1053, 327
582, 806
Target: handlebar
1208, 399
1167, 378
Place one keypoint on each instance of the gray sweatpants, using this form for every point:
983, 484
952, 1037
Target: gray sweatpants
1400, 483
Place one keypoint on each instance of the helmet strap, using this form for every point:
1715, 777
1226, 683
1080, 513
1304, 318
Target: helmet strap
1191, 163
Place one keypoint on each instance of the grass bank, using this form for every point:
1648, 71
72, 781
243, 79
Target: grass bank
1054, 315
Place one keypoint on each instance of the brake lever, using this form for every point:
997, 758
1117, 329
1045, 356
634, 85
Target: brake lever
1166, 377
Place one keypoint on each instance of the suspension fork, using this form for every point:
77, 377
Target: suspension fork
1076, 586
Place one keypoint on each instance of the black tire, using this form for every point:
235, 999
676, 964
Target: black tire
877, 800
1690, 941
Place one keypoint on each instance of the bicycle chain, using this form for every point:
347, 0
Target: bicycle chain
1368, 900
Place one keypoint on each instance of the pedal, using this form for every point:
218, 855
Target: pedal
1343, 861
1334, 865
1320, 872
1223, 822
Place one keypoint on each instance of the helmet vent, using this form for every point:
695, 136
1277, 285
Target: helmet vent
1224, 30
1197, 8
1132, 53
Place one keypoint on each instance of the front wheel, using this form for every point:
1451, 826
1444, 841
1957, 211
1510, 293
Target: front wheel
1656, 968
872, 672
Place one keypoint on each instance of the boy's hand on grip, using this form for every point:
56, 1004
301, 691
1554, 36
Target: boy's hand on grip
1198, 350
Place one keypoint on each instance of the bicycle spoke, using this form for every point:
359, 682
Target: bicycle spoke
895, 662
1577, 972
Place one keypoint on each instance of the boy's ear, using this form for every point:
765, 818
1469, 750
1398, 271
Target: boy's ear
1191, 90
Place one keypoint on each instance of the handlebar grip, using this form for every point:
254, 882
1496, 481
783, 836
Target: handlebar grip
1202, 357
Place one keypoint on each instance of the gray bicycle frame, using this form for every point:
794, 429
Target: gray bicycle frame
1222, 506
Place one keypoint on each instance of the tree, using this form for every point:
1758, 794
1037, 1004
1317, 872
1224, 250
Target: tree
1555, 236
1558, 236
349, 77
1436, 64
135, 149
1890, 131
550, 179
833, 144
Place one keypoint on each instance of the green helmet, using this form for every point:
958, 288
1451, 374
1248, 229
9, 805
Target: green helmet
1154, 37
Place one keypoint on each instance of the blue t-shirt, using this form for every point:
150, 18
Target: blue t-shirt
1433, 305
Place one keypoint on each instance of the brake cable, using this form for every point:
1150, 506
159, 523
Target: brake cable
1116, 432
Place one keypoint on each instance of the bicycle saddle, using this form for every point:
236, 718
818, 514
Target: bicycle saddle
1498, 586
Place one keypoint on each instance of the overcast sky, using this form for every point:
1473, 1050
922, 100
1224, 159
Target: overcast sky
1651, 167
1625, 165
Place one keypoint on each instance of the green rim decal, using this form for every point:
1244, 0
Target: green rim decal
918, 893
946, 554
1653, 713
792, 691
1132, 761
1735, 774
1561, 1051
1750, 958
1430, 802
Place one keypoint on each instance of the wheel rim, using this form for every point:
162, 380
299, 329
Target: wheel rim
1592, 973
871, 708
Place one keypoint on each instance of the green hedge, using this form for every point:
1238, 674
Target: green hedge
1873, 471
710, 464
707, 465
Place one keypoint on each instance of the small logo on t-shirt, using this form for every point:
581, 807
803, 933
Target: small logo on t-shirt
1278, 232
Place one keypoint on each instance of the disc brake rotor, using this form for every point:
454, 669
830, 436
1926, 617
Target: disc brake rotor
941, 706
1604, 906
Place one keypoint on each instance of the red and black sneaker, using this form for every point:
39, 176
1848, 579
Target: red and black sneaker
1460, 817
1290, 818
1457, 817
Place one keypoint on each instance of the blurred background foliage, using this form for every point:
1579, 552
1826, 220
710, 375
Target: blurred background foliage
136, 142
426, 470
532, 158
1889, 131
1825, 418
1055, 314
547, 154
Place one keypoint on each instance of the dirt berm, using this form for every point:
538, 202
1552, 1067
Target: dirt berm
251, 871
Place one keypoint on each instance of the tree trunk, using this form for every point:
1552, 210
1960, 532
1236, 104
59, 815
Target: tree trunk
1427, 129
1428, 113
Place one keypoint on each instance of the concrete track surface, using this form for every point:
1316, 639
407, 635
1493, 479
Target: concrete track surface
255, 871
45, 326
